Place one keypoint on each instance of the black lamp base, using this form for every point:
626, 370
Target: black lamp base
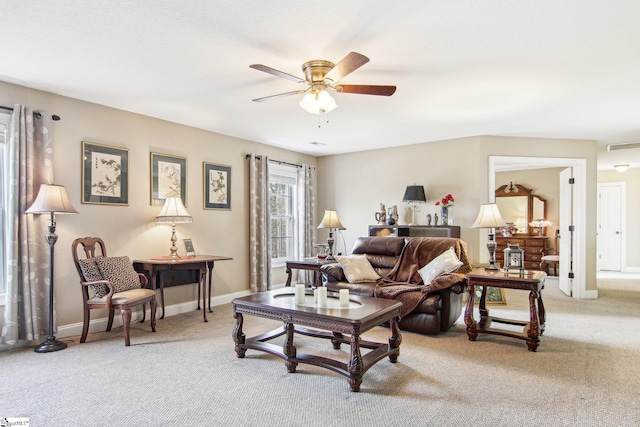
51, 344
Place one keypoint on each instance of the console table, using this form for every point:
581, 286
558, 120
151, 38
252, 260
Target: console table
199, 262
415, 230
534, 283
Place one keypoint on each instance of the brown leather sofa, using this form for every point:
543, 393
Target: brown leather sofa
437, 313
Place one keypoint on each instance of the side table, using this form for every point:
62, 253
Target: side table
199, 262
533, 282
311, 264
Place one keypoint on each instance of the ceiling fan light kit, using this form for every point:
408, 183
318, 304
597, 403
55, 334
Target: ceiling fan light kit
321, 75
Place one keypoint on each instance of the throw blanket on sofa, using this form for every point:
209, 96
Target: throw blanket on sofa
403, 283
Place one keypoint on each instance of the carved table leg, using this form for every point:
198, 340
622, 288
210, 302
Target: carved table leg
355, 365
288, 348
533, 332
468, 315
395, 339
541, 313
485, 319
288, 271
337, 340
238, 335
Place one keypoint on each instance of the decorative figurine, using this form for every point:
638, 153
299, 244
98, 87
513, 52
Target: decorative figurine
381, 216
435, 219
428, 219
392, 215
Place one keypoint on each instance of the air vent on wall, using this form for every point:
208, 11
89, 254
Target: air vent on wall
613, 147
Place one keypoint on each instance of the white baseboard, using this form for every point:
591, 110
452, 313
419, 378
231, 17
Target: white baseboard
100, 325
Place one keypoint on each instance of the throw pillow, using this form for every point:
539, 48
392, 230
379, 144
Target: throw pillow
91, 273
357, 269
119, 271
444, 263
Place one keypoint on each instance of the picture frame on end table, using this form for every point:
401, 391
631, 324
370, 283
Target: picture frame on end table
105, 174
217, 186
188, 246
168, 178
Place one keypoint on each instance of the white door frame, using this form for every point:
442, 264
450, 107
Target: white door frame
506, 163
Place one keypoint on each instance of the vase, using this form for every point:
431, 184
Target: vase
444, 214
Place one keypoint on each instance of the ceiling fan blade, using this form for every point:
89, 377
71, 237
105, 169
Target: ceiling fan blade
346, 66
367, 89
280, 95
277, 73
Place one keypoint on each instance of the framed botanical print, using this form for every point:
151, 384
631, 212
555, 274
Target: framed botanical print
168, 178
105, 174
217, 186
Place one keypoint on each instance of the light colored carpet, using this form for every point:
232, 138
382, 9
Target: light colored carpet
586, 372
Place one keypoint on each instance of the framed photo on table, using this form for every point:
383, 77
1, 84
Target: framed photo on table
105, 174
168, 178
188, 246
217, 186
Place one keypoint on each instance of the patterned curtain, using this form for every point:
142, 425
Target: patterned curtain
29, 156
259, 224
307, 217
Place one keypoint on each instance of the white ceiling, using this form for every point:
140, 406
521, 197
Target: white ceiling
544, 68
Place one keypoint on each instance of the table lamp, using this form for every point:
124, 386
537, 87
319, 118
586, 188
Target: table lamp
540, 224
331, 221
489, 217
412, 195
173, 212
51, 199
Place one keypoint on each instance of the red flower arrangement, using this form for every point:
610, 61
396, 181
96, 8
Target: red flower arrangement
446, 202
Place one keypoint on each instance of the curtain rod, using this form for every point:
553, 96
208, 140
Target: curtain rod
37, 113
276, 161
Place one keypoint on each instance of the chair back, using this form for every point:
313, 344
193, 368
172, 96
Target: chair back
89, 246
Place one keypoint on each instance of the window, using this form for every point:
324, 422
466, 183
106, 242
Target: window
4, 135
283, 205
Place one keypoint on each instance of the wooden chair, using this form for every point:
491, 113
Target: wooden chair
92, 279
551, 260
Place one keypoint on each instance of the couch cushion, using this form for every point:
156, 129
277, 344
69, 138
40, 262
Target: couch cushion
444, 263
357, 268
378, 246
119, 271
91, 273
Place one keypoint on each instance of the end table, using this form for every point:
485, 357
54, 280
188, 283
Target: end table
311, 264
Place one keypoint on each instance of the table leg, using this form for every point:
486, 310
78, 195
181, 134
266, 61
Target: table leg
238, 336
202, 282
288, 348
485, 320
210, 267
355, 365
541, 313
395, 339
288, 270
159, 280
468, 314
533, 332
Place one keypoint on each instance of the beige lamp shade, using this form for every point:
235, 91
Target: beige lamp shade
173, 212
331, 220
52, 198
489, 217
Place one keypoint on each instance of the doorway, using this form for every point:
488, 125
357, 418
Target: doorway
579, 207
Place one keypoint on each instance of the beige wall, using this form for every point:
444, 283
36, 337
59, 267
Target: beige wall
632, 180
130, 230
355, 184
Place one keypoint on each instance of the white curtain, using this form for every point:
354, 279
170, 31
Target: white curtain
259, 224
29, 156
306, 217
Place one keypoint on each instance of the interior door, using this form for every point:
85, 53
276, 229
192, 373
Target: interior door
609, 227
565, 279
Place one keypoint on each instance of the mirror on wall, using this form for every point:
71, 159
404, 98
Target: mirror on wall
520, 206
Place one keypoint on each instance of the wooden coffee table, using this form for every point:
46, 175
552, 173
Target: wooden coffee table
331, 323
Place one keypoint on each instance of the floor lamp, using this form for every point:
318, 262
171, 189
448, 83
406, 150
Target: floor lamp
331, 221
51, 199
489, 217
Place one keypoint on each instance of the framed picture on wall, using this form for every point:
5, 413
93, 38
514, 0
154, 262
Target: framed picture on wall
105, 174
168, 178
217, 186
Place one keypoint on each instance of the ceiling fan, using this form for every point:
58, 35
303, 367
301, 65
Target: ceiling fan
321, 75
